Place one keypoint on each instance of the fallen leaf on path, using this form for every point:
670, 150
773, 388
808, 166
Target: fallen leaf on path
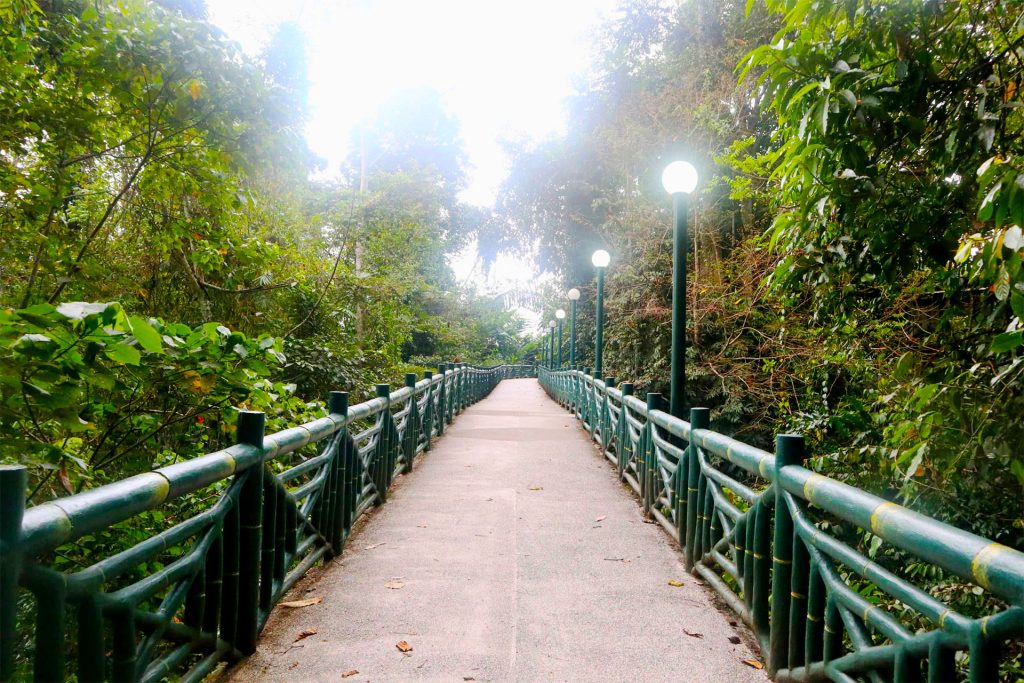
394, 584
468, 678
536, 488
735, 640
406, 647
676, 583
302, 603
421, 526
601, 518
305, 634
692, 634
753, 663
349, 674
375, 545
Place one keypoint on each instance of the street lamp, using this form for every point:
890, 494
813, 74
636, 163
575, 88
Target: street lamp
551, 347
679, 180
574, 296
600, 259
560, 315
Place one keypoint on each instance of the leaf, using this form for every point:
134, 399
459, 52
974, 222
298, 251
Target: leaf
349, 674
536, 488
123, 353
65, 481
394, 584
302, 603
753, 663
35, 339
735, 640
78, 310
375, 545
692, 634
305, 633
147, 336
849, 97
194, 90
601, 518
676, 583
403, 646
1007, 341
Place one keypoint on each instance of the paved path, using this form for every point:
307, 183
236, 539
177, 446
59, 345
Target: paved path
522, 559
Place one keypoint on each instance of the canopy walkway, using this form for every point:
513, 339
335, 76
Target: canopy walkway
515, 551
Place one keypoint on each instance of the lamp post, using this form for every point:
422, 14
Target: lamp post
551, 346
574, 295
600, 259
560, 315
679, 180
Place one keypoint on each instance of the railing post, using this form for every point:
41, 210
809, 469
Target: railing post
412, 423
442, 398
13, 484
382, 457
250, 512
428, 410
650, 458
337, 404
453, 394
606, 413
789, 450
623, 436
700, 418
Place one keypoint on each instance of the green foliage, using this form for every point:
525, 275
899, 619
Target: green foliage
855, 265
87, 391
146, 163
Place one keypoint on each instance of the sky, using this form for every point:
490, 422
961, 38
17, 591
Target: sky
504, 69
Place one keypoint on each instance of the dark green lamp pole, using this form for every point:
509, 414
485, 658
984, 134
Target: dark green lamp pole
551, 336
560, 316
679, 179
600, 259
574, 295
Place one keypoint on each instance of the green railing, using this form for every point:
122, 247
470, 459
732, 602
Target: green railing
777, 542
249, 523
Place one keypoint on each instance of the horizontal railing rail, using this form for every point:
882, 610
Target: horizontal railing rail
777, 542
185, 598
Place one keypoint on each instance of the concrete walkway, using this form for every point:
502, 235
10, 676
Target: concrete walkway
519, 557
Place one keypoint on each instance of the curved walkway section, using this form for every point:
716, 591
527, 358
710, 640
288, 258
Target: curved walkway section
512, 553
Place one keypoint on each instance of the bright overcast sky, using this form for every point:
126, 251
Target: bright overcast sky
503, 68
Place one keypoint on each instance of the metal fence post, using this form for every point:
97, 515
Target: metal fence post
700, 418
382, 464
13, 484
338, 405
789, 450
442, 398
650, 454
250, 511
428, 410
624, 441
412, 423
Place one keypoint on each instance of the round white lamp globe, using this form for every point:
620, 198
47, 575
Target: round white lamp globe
601, 258
573, 294
559, 314
551, 324
679, 176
